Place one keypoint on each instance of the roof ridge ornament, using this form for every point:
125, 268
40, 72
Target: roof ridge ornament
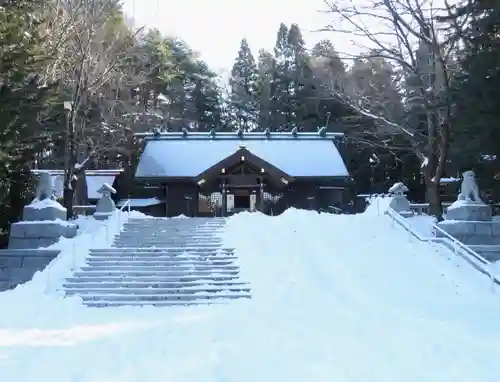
322, 131
212, 132
184, 132
240, 132
294, 131
267, 132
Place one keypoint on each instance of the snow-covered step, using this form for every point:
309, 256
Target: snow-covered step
166, 245
168, 237
154, 291
208, 232
160, 244
174, 233
174, 259
161, 262
168, 234
166, 297
203, 226
205, 231
122, 284
157, 304
154, 251
154, 268
178, 265
155, 261
155, 272
150, 279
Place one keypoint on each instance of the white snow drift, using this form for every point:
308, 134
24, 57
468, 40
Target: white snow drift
335, 298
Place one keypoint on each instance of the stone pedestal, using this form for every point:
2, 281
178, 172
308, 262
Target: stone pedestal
44, 223
37, 234
471, 223
468, 211
46, 209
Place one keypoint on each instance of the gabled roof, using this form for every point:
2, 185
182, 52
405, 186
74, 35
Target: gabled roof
235, 159
179, 155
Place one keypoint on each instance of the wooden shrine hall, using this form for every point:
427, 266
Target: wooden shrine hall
218, 174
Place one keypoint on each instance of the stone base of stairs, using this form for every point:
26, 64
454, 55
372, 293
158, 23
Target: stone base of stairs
489, 252
18, 266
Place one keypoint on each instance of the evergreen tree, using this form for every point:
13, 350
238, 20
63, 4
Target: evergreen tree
266, 69
301, 99
477, 94
329, 76
293, 82
243, 84
23, 101
281, 114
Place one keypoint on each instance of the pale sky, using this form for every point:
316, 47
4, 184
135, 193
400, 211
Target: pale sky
215, 28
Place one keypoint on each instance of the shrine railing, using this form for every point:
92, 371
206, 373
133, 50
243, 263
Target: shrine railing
457, 247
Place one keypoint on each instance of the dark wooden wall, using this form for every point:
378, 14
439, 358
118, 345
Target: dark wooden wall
182, 199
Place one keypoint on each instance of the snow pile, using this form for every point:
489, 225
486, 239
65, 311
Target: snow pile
335, 298
378, 205
181, 216
422, 224
41, 204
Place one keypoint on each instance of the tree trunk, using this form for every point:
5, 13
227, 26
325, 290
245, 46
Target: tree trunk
434, 198
68, 201
69, 162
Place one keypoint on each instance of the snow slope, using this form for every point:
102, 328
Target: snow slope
335, 298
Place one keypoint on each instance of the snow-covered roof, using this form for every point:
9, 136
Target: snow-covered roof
449, 180
87, 172
106, 187
303, 155
140, 202
95, 180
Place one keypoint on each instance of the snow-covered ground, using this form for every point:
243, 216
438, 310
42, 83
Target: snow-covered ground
335, 298
422, 224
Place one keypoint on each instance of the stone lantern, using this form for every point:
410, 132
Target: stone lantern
399, 202
105, 206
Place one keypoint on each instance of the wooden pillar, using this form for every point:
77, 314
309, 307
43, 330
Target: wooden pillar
196, 202
224, 199
189, 203
166, 199
261, 196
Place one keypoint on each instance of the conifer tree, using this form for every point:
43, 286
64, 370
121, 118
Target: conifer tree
243, 84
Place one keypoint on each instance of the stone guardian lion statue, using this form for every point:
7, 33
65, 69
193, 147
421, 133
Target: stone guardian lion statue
469, 190
44, 188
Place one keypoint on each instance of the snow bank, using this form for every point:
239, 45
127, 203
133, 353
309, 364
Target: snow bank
45, 289
423, 224
378, 205
181, 216
334, 298
40, 204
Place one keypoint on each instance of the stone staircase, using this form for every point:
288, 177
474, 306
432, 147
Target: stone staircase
161, 262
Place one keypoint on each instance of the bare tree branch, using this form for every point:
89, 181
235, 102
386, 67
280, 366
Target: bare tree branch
406, 34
